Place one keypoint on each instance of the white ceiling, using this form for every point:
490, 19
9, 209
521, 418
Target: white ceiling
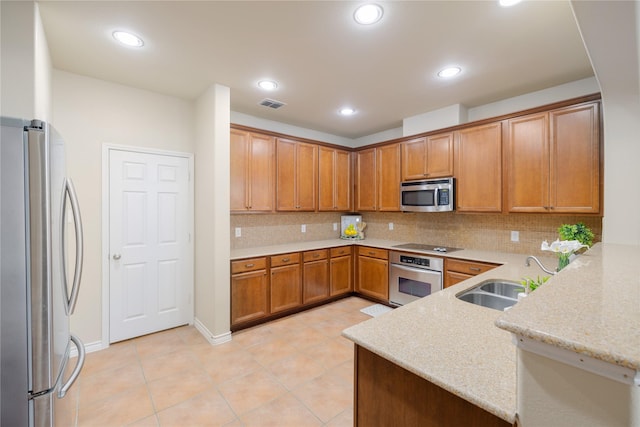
321, 59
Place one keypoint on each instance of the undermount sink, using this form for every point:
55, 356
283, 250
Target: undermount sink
493, 293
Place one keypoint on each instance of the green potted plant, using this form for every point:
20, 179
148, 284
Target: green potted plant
579, 232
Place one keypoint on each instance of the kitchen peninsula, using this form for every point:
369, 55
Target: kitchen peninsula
590, 309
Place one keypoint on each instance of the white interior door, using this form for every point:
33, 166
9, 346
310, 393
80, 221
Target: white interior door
151, 273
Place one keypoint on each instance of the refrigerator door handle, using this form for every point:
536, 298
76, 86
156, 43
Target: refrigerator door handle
70, 191
76, 371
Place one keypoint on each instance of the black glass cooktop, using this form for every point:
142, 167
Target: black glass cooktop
427, 247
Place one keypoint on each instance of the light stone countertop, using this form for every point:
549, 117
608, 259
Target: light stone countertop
592, 307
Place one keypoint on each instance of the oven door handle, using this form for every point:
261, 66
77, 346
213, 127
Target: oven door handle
415, 269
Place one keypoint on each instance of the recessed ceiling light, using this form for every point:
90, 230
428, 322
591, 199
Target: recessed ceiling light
449, 72
368, 14
347, 111
507, 3
128, 39
267, 85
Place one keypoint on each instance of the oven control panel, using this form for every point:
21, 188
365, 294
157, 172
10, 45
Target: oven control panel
424, 262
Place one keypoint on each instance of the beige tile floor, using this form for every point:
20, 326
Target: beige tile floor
296, 371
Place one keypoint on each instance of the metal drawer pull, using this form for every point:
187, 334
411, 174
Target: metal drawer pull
474, 268
286, 259
249, 265
316, 255
372, 253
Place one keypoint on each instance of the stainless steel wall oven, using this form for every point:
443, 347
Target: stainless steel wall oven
413, 276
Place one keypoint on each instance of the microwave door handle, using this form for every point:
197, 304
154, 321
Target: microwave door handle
436, 197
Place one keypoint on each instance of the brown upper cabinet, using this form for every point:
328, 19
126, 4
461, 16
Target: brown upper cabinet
378, 178
478, 168
252, 171
553, 161
427, 157
296, 176
334, 183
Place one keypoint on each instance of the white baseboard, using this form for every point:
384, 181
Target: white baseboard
213, 339
89, 348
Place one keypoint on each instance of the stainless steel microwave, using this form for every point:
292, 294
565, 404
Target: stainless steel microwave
430, 195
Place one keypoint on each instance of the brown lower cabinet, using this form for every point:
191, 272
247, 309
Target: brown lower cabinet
389, 395
249, 290
341, 271
315, 276
457, 270
285, 289
373, 273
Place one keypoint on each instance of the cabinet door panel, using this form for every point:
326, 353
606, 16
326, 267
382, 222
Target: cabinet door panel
373, 277
440, 155
575, 159
414, 159
366, 180
388, 165
326, 179
315, 281
248, 296
307, 175
285, 288
261, 173
478, 169
340, 273
342, 181
528, 164
286, 175
239, 154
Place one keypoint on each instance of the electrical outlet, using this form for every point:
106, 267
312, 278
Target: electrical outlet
515, 236
335, 226
390, 226
238, 232
303, 228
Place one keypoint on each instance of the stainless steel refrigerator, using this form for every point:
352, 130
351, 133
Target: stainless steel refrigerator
38, 294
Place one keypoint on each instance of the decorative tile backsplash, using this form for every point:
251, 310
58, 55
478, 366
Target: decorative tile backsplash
469, 231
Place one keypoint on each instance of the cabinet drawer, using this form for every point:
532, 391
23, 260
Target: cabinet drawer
245, 265
468, 267
285, 259
314, 255
341, 251
373, 252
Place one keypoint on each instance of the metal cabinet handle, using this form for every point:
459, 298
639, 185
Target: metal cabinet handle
316, 255
249, 265
117, 256
286, 259
475, 269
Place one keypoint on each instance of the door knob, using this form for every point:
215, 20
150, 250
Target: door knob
116, 256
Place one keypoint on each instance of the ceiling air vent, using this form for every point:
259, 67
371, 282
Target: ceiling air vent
271, 103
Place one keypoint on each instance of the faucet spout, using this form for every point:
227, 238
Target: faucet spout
531, 257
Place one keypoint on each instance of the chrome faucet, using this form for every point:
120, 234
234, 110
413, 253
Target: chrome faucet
531, 257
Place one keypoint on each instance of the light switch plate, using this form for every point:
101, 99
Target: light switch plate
515, 236
238, 232
335, 226
303, 228
390, 226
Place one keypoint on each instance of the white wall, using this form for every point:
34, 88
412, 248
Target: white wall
25, 68
89, 113
213, 246
433, 120
259, 123
611, 32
